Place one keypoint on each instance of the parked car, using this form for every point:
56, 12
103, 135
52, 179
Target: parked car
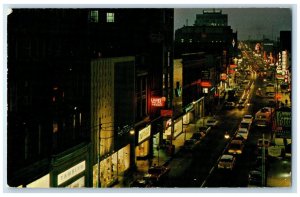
211, 122
244, 126
240, 105
229, 105
190, 144
156, 174
236, 147
226, 162
198, 135
204, 129
238, 137
248, 119
243, 133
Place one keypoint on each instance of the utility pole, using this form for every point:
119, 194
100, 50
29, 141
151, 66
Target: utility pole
263, 163
98, 151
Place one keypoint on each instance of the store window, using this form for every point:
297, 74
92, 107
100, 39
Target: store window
142, 150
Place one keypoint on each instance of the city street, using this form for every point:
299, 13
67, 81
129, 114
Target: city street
107, 97
198, 169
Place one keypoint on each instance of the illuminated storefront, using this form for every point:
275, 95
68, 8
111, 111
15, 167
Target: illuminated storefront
193, 111
111, 167
143, 144
189, 116
43, 182
70, 168
178, 128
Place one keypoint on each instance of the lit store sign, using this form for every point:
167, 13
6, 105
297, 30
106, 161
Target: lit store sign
144, 133
70, 173
205, 84
158, 101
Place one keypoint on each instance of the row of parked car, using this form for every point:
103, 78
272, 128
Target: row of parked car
200, 134
190, 144
156, 174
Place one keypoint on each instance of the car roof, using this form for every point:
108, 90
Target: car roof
236, 141
227, 156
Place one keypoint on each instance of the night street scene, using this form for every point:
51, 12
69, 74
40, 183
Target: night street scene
147, 98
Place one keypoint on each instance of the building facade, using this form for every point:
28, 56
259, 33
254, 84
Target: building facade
48, 106
112, 109
68, 111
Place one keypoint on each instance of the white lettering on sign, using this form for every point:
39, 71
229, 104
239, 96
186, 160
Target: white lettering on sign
284, 119
158, 101
144, 133
71, 172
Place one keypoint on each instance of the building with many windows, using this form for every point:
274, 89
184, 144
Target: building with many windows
206, 49
69, 108
210, 33
48, 127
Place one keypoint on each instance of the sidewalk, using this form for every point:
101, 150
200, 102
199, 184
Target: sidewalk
160, 157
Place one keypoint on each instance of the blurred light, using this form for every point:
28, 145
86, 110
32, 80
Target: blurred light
131, 132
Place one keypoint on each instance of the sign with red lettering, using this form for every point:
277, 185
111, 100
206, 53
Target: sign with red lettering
166, 113
205, 84
158, 101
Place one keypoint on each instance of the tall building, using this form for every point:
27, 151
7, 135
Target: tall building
69, 104
112, 108
207, 49
48, 128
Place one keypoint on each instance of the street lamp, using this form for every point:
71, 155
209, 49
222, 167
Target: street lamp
132, 149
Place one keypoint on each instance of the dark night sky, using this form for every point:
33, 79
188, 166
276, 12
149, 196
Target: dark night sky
249, 22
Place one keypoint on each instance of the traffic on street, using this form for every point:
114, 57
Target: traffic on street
234, 153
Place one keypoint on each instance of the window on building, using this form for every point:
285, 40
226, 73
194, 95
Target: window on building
182, 40
55, 127
110, 17
94, 16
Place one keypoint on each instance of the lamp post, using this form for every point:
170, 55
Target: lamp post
132, 149
98, 153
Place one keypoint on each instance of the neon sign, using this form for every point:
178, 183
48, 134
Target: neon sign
205, 84
158, 101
